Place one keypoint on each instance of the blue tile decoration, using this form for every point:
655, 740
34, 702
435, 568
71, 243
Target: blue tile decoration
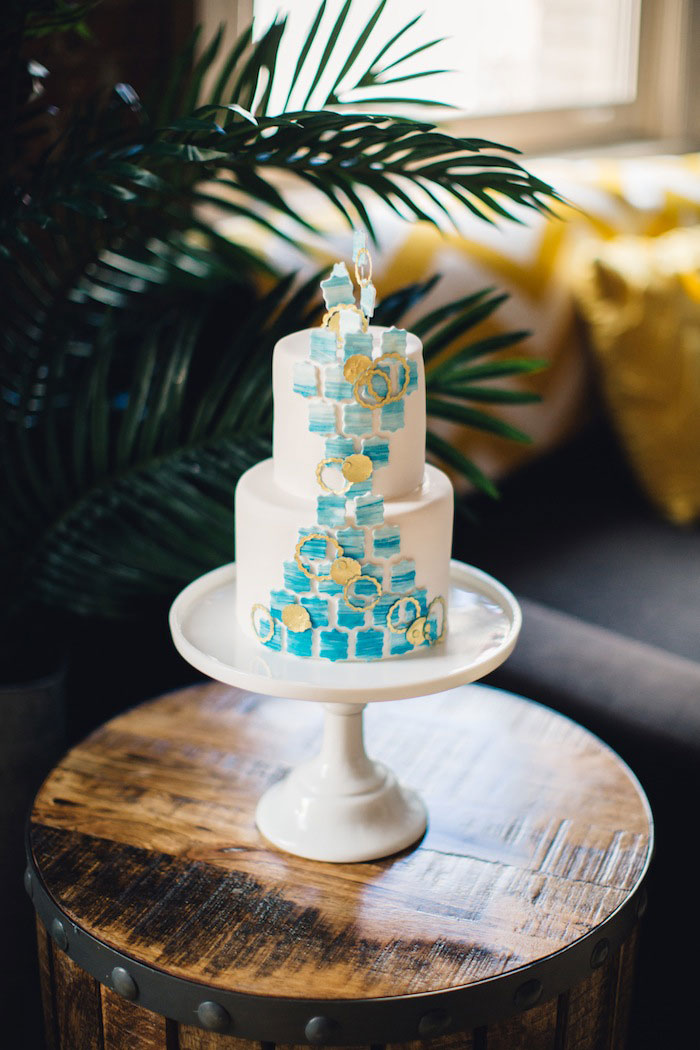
368, 299
305, 379
317, 609
314, 549
412, 376
338, 447
386, 541
403, 576
381, 609
294, 578
337, 289
394, 341
334, 645
322, 419
278, 600
359, 488
357, 420
369, 510
335, 385
330, 510
275, 641
352, 541
300, 643
348, 617
354, 519
369, 644
392, 416
357, 343
377, 448
327, 586
324, 347
399, 644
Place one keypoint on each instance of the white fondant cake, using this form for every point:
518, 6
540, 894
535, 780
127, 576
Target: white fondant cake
343, 538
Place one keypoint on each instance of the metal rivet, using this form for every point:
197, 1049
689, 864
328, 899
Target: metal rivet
642, 905
29, 882
600, 953
320, 1030
124, 983
213, 1016
434, 1023
528, 994
58, 932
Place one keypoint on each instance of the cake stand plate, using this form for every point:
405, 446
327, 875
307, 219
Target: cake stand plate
341, 806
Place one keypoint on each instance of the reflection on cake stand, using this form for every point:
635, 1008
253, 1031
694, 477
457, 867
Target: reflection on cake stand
341, 805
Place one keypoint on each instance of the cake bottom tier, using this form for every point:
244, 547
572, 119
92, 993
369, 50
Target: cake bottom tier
371, 585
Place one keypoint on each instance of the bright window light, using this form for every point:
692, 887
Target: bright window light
505, 56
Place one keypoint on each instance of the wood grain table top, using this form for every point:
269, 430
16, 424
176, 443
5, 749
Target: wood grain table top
144, 836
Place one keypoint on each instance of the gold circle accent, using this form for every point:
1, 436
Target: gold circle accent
331, 319
415, 634
300, 545
441, 601
366, 380
396, 605
345, 569
262, 608
355, 365
356, 579
363, 259
319, 475
296, 618
357, 467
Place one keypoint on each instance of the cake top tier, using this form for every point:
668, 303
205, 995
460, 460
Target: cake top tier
348, 389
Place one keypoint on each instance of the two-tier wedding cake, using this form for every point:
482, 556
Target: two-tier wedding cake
343, 538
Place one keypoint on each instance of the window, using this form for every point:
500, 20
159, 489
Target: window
543, 73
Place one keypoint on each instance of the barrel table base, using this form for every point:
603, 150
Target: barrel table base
81, 1013
174, 925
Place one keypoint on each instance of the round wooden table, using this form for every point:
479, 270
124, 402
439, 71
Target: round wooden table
173, 924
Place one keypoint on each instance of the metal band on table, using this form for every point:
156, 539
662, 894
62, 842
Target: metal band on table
338, 1022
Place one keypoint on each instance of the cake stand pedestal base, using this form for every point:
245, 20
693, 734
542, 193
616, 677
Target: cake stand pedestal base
341, 806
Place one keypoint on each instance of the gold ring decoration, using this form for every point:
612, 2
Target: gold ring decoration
373, 602
415, 633
355, 366
296, 618
366, 380
357, 467
397, 605
300, 546
345, 569
319, 475
364, 259
331, 319
261, 608
441, 602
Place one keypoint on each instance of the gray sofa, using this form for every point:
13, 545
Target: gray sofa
611, 637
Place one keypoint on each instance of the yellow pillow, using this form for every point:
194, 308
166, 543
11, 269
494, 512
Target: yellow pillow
641, 299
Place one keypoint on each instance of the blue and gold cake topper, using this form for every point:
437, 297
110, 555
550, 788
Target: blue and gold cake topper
347, 592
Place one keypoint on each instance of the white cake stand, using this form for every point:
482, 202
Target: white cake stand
341, 806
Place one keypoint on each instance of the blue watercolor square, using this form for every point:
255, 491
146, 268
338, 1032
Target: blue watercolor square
305, 379
334, 645
352, 541
357, 420
377, 448
392, 416
386, 541
331, 510
369, 644
403, 576
299, 643
322, 419
369, 510
317, 609
324, 347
